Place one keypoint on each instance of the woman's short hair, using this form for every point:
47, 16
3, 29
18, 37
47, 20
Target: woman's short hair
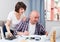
20, 5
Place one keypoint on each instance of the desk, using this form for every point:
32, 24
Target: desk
1, 32
18, 39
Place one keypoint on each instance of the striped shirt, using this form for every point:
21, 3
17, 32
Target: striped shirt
23, 26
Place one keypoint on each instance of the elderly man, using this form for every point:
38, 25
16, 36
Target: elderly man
30, 26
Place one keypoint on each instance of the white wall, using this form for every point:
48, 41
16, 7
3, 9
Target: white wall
8, 5
53, 25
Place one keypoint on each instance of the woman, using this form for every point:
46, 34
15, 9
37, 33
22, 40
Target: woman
14, 18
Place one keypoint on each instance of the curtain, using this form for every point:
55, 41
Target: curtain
39, 6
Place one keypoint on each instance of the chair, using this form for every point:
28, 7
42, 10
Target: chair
2, 36
1, 28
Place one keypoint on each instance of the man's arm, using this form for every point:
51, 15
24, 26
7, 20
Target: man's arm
43, 30
18, 28
21, 29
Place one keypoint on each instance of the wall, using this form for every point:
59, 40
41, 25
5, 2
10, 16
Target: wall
39, 6
53, 25
8, 5
50, 24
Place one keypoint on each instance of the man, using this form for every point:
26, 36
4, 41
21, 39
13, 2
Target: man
30, 26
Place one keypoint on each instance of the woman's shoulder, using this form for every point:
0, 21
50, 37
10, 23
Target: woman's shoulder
11, 13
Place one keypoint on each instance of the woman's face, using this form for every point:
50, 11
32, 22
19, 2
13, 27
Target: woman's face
21, 10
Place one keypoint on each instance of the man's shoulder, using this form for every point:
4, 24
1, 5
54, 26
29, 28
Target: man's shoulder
39, 25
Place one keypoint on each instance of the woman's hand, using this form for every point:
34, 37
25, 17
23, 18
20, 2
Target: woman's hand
10, 34
24, 18
8, 27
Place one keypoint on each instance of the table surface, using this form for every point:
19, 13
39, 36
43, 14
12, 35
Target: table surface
22, 39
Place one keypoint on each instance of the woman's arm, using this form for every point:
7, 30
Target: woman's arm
8, 27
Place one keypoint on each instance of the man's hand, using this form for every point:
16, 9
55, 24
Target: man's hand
46, 33
23, 33
26, 33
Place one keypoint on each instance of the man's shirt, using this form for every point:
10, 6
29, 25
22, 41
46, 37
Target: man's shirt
24, 26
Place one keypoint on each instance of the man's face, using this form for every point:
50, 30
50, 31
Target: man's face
35, 18
21, 11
